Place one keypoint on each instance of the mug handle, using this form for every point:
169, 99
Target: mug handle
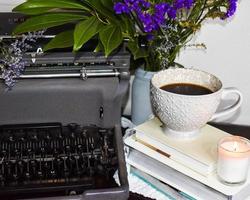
232, 108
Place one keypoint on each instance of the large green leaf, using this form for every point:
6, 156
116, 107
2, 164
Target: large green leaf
136, 50
36, 11
33, 7
62, 40
47, 21
100, 8
111, 38
85, 30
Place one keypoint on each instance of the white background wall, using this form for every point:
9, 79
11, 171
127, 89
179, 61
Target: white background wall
7, 5
227, 54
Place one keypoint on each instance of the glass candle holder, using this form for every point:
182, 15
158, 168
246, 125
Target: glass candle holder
233, 159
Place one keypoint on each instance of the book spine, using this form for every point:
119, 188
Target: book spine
172, 178
165, 189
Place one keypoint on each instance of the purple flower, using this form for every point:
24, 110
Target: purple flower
172, 13
162, 7
8, 76
178, 4
151, 16
145, 4
147, 21
12, 59
160, 12
188, 3
231, 8
121, 8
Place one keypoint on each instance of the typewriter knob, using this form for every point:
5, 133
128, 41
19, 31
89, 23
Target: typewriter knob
52, 173
34, 137
67, 148
20, 163
21, 139
27, 175
48, 137
11, 139
79, 148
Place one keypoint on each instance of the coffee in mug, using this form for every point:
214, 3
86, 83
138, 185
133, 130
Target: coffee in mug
186, 89
186, 99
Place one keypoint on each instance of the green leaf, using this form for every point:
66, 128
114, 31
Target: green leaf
111, 38
36, 11
108, 4
33, 7
99, 47
47, 21
136, 50
100, 8
127, 26
85, 30
62, 40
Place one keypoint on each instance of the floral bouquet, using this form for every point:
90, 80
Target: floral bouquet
154, 30
169, 25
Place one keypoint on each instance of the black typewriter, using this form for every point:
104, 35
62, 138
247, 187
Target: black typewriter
60, 135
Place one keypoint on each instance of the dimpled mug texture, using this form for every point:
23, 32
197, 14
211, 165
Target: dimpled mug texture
184, 113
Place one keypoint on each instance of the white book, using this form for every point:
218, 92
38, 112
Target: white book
200, 153
168, 191
182, 182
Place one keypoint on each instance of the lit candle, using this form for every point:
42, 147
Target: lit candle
233, 159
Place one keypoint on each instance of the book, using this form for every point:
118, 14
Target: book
199, 153
168, 191
188, 185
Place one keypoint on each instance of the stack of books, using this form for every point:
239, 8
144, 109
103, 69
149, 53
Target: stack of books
187, 167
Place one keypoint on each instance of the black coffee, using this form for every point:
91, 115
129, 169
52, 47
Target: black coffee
186, 89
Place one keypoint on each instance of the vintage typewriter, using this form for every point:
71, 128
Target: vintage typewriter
60, 135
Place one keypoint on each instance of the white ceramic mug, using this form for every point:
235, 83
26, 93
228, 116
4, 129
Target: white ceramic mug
183, 115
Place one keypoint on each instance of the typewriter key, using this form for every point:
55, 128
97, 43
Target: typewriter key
52, 168
33, 164
2, 179
73, 127
7, 166
40, 174
3, 153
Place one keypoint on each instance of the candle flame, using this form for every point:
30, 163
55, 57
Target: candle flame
235, 146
